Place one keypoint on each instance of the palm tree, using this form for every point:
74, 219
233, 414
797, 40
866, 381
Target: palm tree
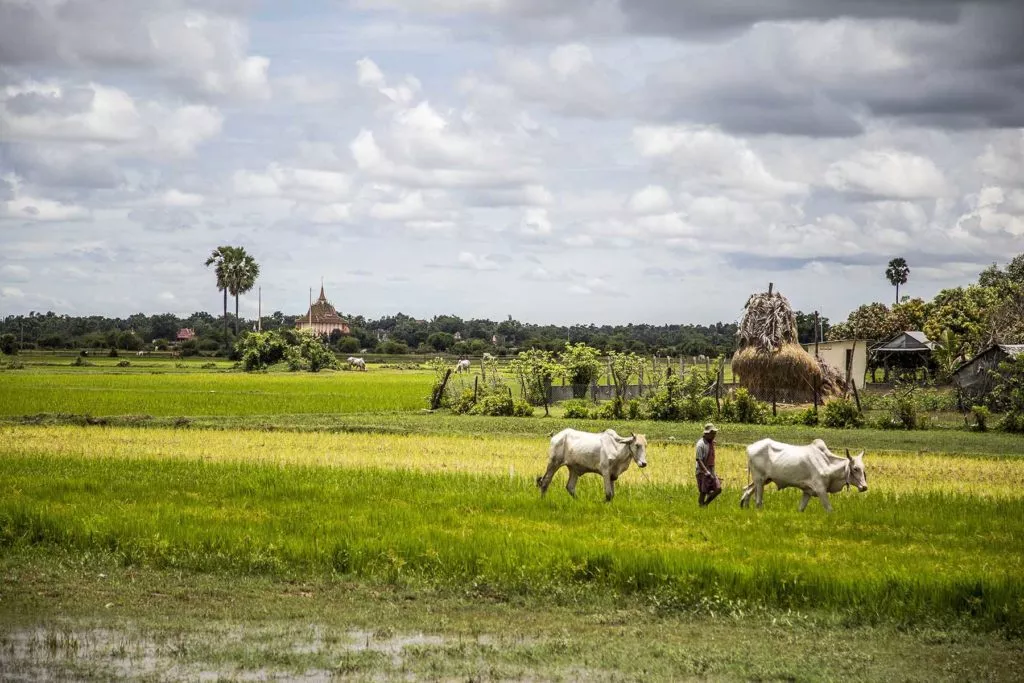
242, 273
898, 272
220, 258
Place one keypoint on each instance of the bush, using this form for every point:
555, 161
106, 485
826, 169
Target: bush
9, 344
980, 415
604, 411
208, 345
463, 403
392, 348
576, 409
841, 413
1012, 422
742, 407
124, 364
903, 409
208, 366
112, 353
348, 345
635, 409
189, 348
502, 405
797, 417
80, 362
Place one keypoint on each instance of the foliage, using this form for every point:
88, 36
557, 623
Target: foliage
903, 411
869, 321
582, 367
1008, 394
311, 353
981, 415
841, 413
502, 405
392, 348
965, 311
124, 364
259, 350
576, 409
805, 417
624, 367
950, 351
897, 274
742, 407
536, 369
8, 344
112, 353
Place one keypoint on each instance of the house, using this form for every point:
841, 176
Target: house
845, 353
906, 351
322, 318
975, 377
185, 334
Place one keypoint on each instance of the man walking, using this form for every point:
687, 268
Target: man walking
708, 483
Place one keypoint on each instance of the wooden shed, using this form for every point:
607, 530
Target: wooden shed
975, 377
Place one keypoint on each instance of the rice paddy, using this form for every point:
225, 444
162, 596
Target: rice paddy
338, 477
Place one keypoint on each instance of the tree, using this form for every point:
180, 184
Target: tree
581, 366
898, 272
624, 367
536, 369
242, 271
219, 260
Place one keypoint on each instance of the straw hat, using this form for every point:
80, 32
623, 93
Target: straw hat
709, 428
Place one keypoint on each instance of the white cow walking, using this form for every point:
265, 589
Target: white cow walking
812, 468
605, 453
358, 363
462, 365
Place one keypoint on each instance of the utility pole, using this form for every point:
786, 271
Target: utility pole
259, 309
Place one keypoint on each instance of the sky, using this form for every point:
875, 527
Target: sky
606, 161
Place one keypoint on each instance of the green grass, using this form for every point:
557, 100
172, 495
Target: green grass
949, 442
67, 616
909, 556
235, 394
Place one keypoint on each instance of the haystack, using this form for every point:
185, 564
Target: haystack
770, 362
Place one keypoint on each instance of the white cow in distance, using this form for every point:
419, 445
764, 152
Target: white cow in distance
462, 365
812, 468
357, 363
605, 453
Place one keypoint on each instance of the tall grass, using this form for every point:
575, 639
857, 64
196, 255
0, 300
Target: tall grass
387, 509
211, 393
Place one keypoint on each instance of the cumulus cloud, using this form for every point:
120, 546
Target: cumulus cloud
887, 173
202, 50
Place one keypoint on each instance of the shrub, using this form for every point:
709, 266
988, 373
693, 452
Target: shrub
463, 403
742, 407
208, 345
841, 413
208, 366
392, 348
189, 348
980, 415
635, 409
605, 411
112, 353
502, 405
576, 409
80, 362
581, 367
664, 403
8, 344
903, 409
348, 345
124, 364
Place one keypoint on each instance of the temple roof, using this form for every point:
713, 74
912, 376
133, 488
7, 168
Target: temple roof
322, 312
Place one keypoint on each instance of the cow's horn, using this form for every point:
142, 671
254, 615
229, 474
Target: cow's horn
848, 453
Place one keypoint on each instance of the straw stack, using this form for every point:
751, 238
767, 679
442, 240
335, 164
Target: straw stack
770, 361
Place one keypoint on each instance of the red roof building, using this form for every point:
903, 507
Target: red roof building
185, 334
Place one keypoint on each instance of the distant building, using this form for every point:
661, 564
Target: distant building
907, 350
975, 377
844, 353
322, 318
185, 334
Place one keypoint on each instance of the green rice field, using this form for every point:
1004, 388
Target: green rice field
425, 534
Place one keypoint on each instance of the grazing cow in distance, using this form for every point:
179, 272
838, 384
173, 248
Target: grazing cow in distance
488, 356
357, 363
605, 453
812, 468
462, 365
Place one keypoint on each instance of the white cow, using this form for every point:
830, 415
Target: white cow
606, 453
357, 363
488, 356
812, 468
462, 365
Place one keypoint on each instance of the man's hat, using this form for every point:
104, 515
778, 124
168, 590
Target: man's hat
710, 428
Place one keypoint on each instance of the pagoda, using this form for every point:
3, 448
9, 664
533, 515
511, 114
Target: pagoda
322, 318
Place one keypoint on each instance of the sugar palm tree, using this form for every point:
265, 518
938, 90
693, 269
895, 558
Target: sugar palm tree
242, 273
898, 272
220, 259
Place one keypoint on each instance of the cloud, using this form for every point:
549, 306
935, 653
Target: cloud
887, 173
107, 116
14, 273
296, 184
202, 51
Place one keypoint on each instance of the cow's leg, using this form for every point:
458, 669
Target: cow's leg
570, 485
759, 493
825, 502
804, 501
745, 498
544, 482
609, 488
